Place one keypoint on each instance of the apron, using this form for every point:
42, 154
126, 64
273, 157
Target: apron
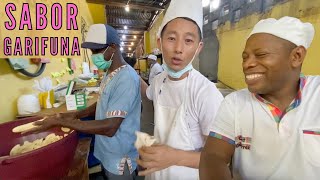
172, 129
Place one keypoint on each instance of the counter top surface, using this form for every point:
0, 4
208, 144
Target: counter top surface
60, 109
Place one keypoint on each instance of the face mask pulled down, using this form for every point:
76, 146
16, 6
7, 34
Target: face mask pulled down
178, 74
100, 62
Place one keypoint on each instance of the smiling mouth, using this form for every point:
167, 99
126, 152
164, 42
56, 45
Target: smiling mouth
253, 79
253, 76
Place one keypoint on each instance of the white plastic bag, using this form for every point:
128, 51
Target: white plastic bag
28, 104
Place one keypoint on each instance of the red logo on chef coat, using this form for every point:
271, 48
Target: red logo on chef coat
243, 142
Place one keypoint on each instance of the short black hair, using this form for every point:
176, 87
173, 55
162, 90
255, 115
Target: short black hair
130, 60
188, 19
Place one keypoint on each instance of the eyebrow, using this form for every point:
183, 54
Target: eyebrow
188, 33
256, 49
259, 49
191, 34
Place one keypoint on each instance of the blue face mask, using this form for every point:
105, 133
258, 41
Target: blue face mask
178, 74
100, 62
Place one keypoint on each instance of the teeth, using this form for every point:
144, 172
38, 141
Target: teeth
253, 76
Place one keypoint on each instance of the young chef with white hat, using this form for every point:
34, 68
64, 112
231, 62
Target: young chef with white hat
155, 67
272, 128
185, 102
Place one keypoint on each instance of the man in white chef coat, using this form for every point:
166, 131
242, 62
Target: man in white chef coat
185, 102
272, 128
155, 67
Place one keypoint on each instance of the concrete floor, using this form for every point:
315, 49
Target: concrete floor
147, 116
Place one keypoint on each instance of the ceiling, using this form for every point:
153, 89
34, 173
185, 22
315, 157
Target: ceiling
131, 24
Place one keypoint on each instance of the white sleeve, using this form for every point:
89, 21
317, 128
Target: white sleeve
155, 70
150, 79
150, 91
158, 70
223, 127
151, 75
209, 102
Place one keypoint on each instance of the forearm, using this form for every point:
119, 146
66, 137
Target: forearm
212, 167
106, 127
187, 158
89, 111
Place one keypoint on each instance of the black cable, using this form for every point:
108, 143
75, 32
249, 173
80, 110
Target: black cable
36, 74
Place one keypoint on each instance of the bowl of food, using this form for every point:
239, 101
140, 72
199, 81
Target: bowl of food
45, 155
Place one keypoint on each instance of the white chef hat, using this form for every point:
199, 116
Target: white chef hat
191, 9
152, 57
288, 28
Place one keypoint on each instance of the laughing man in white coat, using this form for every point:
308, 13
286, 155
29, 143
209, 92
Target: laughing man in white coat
272, 128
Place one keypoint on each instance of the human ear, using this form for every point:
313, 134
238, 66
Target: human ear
297, 56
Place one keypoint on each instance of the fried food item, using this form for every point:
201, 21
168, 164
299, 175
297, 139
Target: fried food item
64, 129
25, 127
38, 143
144, 139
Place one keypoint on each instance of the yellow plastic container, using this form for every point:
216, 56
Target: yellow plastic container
46, 99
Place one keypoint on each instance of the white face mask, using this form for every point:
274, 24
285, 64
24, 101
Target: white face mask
178, 74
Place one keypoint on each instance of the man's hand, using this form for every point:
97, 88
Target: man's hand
47, 123
67, 115
156, 158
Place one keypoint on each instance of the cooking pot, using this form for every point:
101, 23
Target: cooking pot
48, 162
